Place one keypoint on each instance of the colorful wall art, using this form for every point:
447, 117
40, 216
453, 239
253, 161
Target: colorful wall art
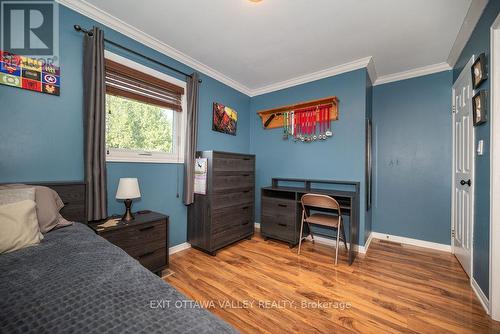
29, 73
225, 119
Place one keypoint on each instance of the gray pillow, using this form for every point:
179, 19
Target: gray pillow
48, 204
8, 196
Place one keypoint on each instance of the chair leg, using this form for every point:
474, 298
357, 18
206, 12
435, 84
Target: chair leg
337, 246
300, 235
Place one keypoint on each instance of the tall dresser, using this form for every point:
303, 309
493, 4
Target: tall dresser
226, 213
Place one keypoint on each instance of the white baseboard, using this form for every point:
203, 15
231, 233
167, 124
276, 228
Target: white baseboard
178, 248
333, 242
410, 241
480, 295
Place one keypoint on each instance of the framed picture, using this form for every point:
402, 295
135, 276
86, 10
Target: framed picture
479, 108
225, 119
479, 71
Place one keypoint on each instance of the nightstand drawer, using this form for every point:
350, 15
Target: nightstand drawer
153, 260
139, 239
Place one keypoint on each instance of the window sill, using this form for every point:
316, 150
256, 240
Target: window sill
145, 160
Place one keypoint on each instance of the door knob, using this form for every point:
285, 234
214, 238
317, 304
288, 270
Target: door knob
463, 182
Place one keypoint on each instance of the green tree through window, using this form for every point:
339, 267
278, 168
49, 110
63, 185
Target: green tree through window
135, 125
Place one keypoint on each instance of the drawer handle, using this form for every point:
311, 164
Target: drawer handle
282, 224
246, 174
245, 223
146, 228
283, 205
244, 208
246, 191
246, 158
146, 254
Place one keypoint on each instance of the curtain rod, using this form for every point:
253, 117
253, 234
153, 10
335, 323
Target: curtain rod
90, 33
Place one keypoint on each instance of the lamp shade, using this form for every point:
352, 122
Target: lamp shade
128, 188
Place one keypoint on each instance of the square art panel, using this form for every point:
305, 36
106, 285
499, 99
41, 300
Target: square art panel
29, 73
225, 119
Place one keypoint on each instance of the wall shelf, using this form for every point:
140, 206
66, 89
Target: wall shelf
277, 120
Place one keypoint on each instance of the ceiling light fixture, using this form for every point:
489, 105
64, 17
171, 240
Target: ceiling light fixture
255, 1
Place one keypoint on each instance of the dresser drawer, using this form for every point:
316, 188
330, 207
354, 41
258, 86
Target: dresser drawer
230, 199
139, 239
233, 215
154, 259
233, 181
279, 226
231, 163
232, 233
278, 206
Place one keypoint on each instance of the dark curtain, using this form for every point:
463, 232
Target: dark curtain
94, 95
191, 134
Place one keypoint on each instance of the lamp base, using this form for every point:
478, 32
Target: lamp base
128, 216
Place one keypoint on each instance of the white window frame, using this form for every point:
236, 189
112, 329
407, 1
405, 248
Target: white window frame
179, 129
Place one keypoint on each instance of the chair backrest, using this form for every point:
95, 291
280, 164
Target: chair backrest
319, 201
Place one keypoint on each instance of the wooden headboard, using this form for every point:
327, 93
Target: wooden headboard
73, 195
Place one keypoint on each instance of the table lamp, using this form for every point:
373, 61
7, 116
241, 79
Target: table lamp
128, 189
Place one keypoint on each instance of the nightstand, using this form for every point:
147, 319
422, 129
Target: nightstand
145, 238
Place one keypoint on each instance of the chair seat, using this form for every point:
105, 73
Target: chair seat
323, 219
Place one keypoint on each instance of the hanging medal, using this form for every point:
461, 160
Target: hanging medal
328, 132
308, 126
315, 113
295, 124
320, 136
324, 118
285, 125
304, 125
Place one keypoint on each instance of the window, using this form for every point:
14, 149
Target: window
144, 118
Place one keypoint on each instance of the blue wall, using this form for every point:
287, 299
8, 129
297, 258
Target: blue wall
339, 158
478, 43
412, 129
41, 136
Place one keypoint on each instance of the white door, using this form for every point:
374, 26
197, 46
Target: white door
463, 169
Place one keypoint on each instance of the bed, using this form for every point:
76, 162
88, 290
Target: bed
77, 282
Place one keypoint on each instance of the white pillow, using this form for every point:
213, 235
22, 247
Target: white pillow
8, 196
18, 226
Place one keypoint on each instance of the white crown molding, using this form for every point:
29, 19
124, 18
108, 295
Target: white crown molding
329, 72
372, 73
416, 72
411, 241
104, 18
471, 18
114, 23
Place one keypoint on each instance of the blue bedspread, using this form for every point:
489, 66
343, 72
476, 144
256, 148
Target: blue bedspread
77, 282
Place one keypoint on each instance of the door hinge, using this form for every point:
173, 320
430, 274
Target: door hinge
453, 109
453, 233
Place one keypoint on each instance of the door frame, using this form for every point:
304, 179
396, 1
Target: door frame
465, 71
494, 296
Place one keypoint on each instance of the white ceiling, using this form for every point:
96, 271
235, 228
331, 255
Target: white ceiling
261, 44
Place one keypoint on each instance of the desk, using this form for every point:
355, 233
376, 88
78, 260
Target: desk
281, 210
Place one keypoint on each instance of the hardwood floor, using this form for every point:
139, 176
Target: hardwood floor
264, 287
